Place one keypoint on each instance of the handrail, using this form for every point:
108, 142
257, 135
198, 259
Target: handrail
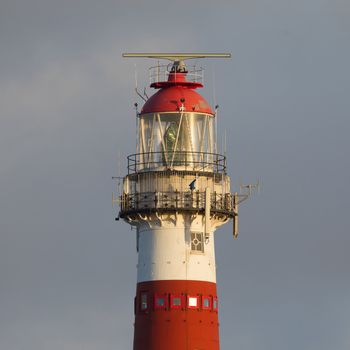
181, 160
178, 201
160, 73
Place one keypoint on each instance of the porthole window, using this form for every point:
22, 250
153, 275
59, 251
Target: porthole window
192, 302
160, 301
197, 242
176, 301
215, 304
206, 302
144, 301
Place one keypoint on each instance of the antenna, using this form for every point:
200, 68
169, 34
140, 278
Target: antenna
119, 179
136, 86
216, 109
214, 87
245, 191
137, 126
216, 127
117, 199
249, 188
175, 57
225, 142
177, 66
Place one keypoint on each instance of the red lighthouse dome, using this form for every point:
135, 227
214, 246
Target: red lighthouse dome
170, 99
174, 93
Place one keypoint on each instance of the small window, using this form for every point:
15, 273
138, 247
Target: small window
144, 301
215, 304
176, 301
206, 302
197, 244
160, 301
192, 302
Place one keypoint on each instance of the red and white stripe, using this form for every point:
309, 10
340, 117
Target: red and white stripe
176, 299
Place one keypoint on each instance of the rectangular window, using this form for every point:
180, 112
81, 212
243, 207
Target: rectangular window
215, 304
160, 301
192, 302
197, 242
206, 302
176, 301
144, 301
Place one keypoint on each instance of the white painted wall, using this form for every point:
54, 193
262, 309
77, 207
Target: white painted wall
165, 253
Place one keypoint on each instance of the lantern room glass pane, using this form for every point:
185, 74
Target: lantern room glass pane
172, 139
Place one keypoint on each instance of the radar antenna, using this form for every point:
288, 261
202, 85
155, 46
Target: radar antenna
176, 57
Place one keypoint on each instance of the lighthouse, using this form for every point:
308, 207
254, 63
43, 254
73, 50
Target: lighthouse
176, 194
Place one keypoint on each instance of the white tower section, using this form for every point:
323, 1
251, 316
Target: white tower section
177, 194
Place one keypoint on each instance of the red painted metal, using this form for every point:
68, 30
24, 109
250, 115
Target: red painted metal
176, 79
176, 328
170, 100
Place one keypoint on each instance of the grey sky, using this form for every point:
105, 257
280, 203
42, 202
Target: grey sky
67, 270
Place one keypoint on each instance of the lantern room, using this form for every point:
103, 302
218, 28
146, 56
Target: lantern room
176, 126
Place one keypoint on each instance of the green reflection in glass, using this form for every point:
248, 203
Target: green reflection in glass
170, 136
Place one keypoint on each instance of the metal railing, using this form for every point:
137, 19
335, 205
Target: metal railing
188, 161
175, 201
161, 73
